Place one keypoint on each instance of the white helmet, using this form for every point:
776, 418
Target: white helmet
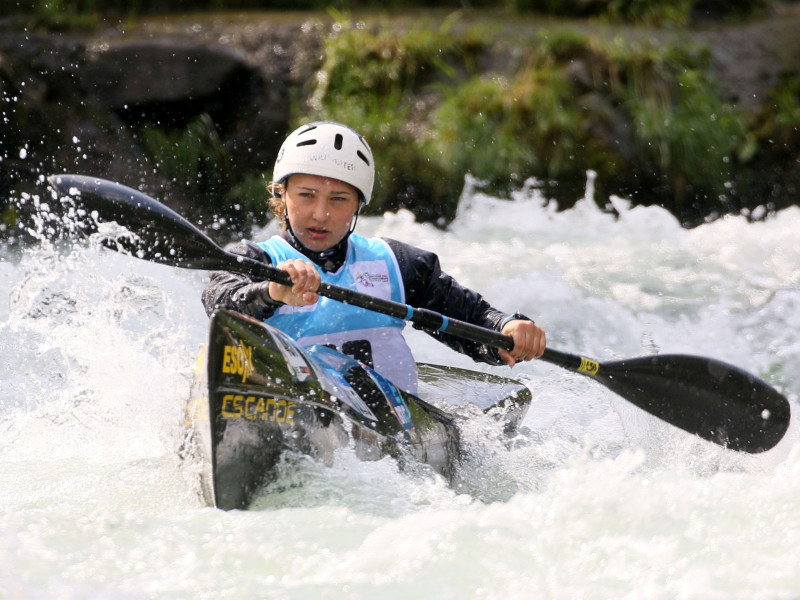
327, 149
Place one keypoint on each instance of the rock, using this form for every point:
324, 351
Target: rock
127, 76
748, 58
77, 104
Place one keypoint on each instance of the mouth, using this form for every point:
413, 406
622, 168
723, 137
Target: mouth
315, 233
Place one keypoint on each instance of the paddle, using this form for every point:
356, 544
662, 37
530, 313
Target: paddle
714, 400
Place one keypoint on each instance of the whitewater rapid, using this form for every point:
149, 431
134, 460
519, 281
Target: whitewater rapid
592, 499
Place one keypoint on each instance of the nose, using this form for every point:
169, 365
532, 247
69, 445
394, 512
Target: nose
321, 212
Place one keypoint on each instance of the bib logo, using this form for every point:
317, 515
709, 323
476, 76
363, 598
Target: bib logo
371, 279
238, 360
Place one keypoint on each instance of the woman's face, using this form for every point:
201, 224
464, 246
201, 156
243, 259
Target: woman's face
320, 209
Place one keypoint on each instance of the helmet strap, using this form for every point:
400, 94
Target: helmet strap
330, 259
355, 219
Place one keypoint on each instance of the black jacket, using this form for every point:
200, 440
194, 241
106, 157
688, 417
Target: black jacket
426, 286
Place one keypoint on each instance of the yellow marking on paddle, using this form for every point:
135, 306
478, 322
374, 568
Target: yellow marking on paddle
589, 366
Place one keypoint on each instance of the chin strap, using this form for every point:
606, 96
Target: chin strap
355, 219
329, 259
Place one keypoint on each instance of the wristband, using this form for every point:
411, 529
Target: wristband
515, 317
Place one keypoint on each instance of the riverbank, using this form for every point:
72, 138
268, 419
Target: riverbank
191, 108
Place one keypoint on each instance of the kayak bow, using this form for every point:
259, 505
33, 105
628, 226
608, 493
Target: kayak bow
259, 394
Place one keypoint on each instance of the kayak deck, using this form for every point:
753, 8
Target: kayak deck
258, 394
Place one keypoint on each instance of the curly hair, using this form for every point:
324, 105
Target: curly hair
277, 203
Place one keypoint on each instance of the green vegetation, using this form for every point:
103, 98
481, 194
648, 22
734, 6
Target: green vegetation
8, 219
651, 13
62, 13
503, 130
772, 145
187, 155
645, 118
385, 98
780, 121
195, 159
439, 100
687, 135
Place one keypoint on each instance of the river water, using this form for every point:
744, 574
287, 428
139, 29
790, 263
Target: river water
592, 499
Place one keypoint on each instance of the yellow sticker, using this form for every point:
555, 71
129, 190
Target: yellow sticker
252, 408
201, 360
238, 360
196, 410
589, 366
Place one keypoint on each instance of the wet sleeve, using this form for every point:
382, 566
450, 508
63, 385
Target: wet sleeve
427, 286
222, 288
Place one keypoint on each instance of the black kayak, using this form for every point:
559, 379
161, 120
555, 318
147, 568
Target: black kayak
257, 395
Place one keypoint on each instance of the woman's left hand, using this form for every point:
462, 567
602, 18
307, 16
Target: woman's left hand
530, 341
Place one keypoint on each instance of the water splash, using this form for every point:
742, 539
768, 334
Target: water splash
592, 498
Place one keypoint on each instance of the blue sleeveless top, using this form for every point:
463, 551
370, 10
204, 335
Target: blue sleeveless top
373, 338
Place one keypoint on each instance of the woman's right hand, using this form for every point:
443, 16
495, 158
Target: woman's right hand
305, 283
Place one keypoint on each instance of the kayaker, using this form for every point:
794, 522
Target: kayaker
323, 175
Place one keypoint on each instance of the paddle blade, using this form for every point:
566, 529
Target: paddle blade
717, 401
145, 228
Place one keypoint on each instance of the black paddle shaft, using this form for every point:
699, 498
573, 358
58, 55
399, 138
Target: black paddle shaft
714, 400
